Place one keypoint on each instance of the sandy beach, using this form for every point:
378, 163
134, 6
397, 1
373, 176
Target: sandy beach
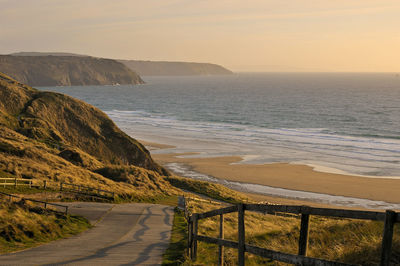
289, 176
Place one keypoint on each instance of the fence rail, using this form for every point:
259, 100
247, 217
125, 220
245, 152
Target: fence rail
63, 187
86, 190
9, 181
389, 218
45, 204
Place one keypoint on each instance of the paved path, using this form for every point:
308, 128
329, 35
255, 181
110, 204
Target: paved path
124, 234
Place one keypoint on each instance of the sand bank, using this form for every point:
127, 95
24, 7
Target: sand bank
289, 176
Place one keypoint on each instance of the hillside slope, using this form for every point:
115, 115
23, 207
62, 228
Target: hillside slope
161, 68
67, 70
52, 136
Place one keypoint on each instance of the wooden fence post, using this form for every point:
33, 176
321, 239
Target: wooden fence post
221, 236
304, 228
241, 234
194, 236
387, 237
189, 237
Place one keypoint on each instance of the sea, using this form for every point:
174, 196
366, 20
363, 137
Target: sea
334, 122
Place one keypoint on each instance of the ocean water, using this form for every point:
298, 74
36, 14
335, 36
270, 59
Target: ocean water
337, 122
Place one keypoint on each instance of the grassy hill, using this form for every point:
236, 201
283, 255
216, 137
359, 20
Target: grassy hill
50, 136
67, 70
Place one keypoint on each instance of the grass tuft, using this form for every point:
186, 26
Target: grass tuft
175, 254
211, 190
23, 225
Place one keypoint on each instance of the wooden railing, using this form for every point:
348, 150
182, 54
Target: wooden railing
389, 217
9, 181
45, 204
63, 187
86, 190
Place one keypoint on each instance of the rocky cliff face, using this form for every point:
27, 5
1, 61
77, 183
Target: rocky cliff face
67, 70
159, 68
48, 135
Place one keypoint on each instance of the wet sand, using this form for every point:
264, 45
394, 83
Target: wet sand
290, 176
289, 201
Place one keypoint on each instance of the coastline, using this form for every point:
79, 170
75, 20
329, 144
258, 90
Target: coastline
324, 169
295, 177
291, 176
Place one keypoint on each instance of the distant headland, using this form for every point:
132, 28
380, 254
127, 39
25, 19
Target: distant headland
68, 69
163, 68
56, 70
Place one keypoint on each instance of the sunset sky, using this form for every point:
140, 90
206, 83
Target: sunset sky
295, 35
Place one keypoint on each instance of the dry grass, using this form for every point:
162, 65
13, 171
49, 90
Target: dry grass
207, 189
23, 157
23, 225
345, 240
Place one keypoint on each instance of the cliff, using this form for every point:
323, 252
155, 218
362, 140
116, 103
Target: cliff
148, 68
51, 136
67, 70
160, 68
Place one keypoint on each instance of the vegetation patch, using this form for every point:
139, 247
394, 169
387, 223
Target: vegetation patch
23, 225
211, 190
20, 190
175, 254
5, 174
10, 149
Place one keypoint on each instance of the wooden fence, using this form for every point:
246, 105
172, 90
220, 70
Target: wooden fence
9, 181
87, 191
63, 187
45, 204
389, 218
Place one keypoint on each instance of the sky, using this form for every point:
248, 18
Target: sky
251, 35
